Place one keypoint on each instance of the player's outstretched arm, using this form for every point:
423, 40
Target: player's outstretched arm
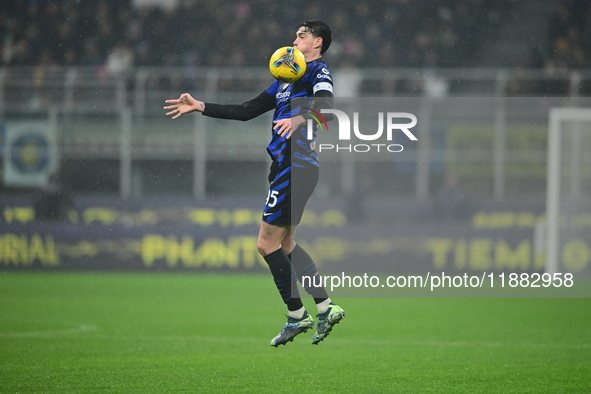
183, 105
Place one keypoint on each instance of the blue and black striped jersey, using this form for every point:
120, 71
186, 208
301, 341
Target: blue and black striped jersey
317, 78
316, 82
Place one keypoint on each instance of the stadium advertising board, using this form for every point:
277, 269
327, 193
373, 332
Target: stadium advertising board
100, 234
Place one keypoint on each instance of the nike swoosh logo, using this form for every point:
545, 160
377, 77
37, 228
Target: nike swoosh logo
267, 214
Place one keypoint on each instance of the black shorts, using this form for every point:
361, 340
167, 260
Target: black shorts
289, 191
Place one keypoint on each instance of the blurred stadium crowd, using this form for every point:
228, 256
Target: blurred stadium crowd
378, 33
570, 29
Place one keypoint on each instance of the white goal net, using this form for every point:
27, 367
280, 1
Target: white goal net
568, 202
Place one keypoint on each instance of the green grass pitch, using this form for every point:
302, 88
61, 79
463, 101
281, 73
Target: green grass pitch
210, 333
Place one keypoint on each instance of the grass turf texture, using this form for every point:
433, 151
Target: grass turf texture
155, 333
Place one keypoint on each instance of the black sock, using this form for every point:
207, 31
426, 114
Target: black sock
285, 279
304, 266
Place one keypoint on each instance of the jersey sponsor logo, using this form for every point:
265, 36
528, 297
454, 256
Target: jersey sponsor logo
282, 95
324, 74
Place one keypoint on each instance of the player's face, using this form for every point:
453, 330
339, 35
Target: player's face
307, 43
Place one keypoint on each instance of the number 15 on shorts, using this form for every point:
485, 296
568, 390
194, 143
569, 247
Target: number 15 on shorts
272, 198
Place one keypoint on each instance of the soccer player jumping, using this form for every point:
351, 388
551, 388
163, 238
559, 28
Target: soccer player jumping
292, 178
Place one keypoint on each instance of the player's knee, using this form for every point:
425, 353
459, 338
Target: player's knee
262, 247
288, 245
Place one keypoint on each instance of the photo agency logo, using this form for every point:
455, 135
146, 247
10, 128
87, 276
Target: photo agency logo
363, 141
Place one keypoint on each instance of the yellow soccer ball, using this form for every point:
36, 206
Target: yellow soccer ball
287, 64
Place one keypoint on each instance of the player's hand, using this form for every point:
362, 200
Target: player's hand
183, 105
285, 127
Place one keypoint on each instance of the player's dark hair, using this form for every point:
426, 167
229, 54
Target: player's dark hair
318, 29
